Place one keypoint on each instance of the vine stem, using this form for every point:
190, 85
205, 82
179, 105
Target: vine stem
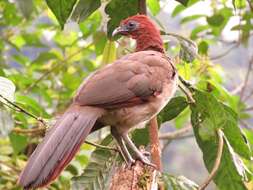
217, 160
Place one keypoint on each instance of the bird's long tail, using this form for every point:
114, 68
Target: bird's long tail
59, 146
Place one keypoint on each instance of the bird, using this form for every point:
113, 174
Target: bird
125, 94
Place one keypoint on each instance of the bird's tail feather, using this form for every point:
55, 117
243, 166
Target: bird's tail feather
59, 146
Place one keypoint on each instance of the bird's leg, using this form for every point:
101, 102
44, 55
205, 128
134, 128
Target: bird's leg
136, 151
123, 149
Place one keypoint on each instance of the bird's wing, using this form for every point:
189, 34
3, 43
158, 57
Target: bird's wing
124, 83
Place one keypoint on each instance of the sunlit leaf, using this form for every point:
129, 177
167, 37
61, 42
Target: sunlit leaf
61, 9
84, 8
154, 6
109, 54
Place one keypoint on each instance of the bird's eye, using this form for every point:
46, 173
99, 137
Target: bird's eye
131, 25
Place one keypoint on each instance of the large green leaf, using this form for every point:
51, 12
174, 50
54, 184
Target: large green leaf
208, 115
119, 10
178, 183
61, 9
84, 8
175, 106
214, 115
98, 172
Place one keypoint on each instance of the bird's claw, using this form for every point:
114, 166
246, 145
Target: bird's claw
146, 161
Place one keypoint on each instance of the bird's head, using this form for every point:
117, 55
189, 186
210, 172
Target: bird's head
143, 30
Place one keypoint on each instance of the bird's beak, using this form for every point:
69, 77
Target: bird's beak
119, 30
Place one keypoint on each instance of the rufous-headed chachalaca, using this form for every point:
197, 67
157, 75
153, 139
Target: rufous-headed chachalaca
124, 94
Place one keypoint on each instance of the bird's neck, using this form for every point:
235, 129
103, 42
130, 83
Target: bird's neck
149, 41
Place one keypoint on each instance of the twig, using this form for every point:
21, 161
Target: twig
249, 69
42, 130
22, 110
217, 160
30, 132
176, 134
188, 95
101, 146
178, 37
142, 7
59, 64
250, 5
248, 108
226, 52
189, 87
9, 166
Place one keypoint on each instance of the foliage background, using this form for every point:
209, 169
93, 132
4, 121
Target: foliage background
47, 54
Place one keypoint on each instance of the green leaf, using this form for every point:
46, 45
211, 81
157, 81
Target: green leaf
175, 106
154, 6
84, 9
7, 88
215, 20
178, 9
190, 18
234, 134
213, 115
109, 54
31, 105
98, 172
140, 136
183, 2
61, 9
232, 174
6, 123
118, 10
178, 182
99, 39
197, 30
91, 24
203, 47
207, 116
18, 142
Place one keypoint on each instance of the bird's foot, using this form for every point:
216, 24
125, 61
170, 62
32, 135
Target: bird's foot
145, 160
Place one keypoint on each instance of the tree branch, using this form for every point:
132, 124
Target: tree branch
217, 160
176, 134
16, 107
225, 52
249, 69
142, 7
250, 5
